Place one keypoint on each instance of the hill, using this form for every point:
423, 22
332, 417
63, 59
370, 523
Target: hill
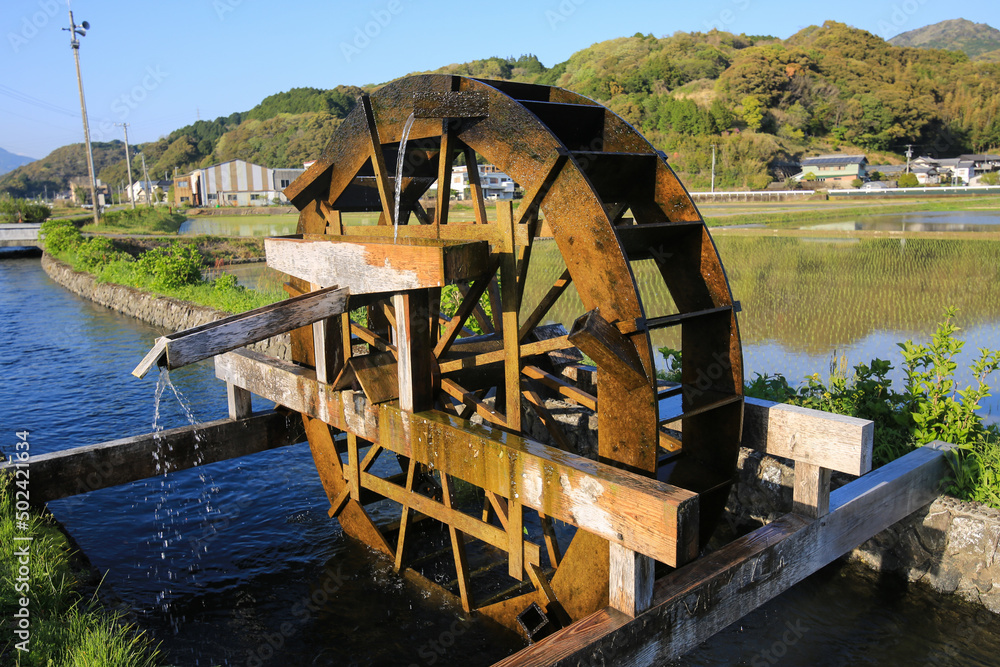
9, 161
54, 170
760, 100
973, 39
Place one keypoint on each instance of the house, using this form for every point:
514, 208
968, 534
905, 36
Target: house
927, 174
234, 183
144, 192
837, 170
80, 185
958, 170
495, 183
982, 164
890, 172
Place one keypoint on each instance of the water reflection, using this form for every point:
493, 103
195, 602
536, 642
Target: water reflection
257, 225
925, 221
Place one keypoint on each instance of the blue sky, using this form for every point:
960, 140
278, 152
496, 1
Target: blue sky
160, 66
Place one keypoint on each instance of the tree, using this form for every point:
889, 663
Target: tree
990, 178
857, 183
908, 181
751, 110
876, 176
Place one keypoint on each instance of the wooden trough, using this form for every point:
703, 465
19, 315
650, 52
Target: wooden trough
441, 405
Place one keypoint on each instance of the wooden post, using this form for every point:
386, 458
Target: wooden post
508, 287
631, 581
811, 493
413, 343
239, 401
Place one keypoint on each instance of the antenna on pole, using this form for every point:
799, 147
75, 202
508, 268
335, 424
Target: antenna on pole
74, 43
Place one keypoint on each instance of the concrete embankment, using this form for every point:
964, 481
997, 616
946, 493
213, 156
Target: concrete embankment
163, 312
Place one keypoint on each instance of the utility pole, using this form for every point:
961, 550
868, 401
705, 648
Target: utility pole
74, 43
713, 167
145, 174
128, 164
909, 152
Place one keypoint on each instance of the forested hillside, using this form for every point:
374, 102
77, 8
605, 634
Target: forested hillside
760, 100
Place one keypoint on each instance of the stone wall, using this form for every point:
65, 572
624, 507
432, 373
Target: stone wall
163, 312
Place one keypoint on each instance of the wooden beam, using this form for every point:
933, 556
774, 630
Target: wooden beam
375, 265
543, 307
528, 350
643, 514
631, 582
696, 601
508, 319
822, 439
83, 469
603, 343
186, 347
413, 343
386, 192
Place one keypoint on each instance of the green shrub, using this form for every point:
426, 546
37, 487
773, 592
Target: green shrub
908, 181
990, 178
59, 236
171, 266
98, 251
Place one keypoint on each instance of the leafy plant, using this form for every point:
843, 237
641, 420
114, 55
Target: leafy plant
171, 266
59, 236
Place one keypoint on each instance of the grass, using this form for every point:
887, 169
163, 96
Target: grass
142, 220
66, 629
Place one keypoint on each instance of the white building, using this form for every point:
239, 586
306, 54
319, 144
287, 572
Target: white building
495, 183
236, 183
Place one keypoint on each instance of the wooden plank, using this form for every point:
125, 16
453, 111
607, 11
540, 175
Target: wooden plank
614, 353
445, 160
643, 514
696, 601
475, 187
470, 399
453, 231
239, 402
377, 374
515, 539
413, 343
528, 350
811, 491
470, 300
186, 347
404, 520
83, 469
822, 439
375, 265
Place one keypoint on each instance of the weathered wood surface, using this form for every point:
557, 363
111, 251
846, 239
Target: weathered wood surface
452, 104
694, 602
374, 265
811, 492
823, 439
186, 347
603, 343
84, 469
643, 514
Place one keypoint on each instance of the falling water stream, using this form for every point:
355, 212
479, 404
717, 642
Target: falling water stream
400, 160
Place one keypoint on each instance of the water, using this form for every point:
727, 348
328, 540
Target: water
244, 225
400, 161
236, 562
924, 221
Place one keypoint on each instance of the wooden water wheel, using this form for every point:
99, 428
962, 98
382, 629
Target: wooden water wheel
608, 199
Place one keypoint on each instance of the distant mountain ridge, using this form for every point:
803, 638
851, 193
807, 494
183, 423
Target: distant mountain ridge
10, 161
955, 35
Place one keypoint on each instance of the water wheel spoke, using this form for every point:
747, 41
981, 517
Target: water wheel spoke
386, 192
471, 400
470, 301
543, 307
457, 546
564, 388
476, 187
404, 519
445, 161
372, 338
537, 404
551, 540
